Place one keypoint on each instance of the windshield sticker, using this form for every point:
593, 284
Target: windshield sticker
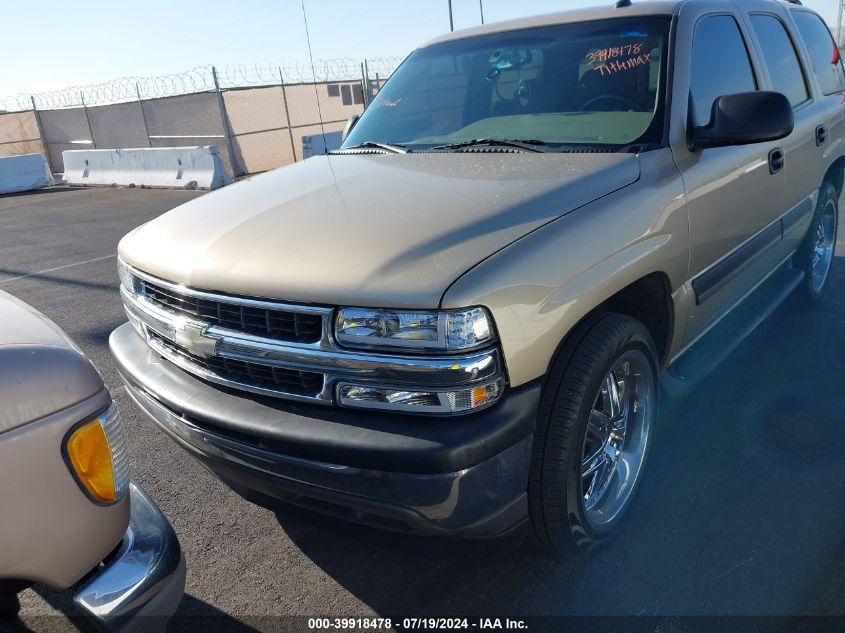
388, 103
613, 52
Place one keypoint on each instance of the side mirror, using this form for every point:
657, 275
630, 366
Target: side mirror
350, 123
743, 119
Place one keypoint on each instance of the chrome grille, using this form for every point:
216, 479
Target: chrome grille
290, 381
269, 323
220, 338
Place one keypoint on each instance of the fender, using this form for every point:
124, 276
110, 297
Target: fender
541, 286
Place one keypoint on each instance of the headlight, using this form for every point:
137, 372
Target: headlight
420, 330
96, 452
127, 279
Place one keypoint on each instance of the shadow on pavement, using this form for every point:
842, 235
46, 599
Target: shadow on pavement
41, 192
193, 615
22, 275
98, 335
196, 615
401, 574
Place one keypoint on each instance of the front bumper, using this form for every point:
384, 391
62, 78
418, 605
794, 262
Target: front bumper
139, 588
459, 476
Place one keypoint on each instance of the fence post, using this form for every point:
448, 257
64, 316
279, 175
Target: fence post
287, 113
226, 132
88, 121
143, 116
41, 136
363, 85
369, 87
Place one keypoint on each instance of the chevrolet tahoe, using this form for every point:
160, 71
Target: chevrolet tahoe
460, 322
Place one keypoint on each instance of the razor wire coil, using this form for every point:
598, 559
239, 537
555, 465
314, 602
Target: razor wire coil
201, 79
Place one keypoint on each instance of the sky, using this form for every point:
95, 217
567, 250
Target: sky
49, 45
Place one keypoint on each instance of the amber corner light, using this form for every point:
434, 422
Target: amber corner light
96, 453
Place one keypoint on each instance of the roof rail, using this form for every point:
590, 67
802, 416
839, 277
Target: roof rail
623, 3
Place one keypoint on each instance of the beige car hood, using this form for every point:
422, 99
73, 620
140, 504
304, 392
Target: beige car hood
41, 371
392, 230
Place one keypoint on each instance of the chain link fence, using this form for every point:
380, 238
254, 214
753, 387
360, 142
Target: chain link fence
260, 117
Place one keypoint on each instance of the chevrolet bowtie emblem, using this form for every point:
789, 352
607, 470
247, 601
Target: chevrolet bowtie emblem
193, 338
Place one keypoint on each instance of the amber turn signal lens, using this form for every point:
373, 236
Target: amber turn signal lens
90, 456
480, 396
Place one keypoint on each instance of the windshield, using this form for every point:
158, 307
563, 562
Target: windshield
588, 83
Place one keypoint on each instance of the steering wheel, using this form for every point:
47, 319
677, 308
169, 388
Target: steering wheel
628, 103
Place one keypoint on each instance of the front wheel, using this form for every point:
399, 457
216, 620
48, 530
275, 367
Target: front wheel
815, 255
10, 606
593, 432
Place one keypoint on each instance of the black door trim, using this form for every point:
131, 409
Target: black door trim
712, 279
709, 281
796, 214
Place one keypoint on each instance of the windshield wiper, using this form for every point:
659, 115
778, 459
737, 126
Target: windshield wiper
637, 148
393, 148
527, 145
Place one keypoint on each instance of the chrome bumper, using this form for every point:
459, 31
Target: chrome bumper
140, 588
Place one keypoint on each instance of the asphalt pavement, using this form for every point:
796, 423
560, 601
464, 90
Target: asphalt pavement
742, 510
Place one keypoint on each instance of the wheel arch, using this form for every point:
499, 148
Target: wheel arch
835, 174
647, 299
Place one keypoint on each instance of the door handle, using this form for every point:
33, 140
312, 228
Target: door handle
821, 135
776, 160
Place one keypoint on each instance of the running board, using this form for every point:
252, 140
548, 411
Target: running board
712, 348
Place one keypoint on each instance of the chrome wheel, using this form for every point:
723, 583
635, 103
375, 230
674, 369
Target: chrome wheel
824, 246
617, 438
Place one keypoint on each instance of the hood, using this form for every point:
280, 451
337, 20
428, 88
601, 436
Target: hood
389, 230
41, 371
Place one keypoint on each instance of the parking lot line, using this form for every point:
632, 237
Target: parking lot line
52, 270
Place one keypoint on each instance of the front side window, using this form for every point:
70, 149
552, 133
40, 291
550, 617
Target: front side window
780, 58
827, 64
580, 84
720, 65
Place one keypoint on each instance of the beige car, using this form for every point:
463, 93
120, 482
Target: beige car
460, 322
71, 518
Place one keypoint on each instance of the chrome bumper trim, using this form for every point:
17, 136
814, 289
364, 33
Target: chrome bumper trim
145, 580
441, 372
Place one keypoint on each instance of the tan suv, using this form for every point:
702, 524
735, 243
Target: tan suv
457, 323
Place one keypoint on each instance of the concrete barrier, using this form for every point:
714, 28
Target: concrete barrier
179, 167
319, 144
25, 172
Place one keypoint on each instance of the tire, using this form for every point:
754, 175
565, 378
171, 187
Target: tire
565, 510
820, 241
10, 606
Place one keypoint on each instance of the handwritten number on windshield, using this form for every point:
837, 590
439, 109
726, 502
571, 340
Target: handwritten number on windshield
612, 52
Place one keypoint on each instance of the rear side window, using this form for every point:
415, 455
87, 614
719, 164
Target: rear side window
720, 65
827, 64
780, 58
